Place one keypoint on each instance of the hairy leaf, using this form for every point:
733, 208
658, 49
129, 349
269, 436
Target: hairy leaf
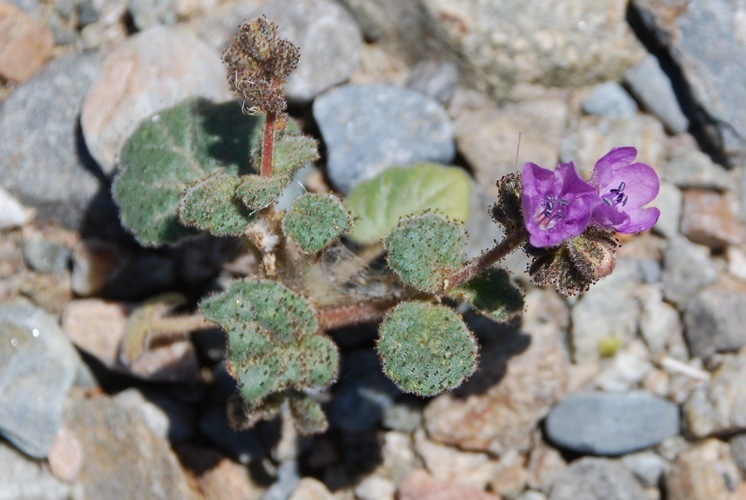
171, 151
315, 221
426, 349
210, 205
426, 249
379, 203
492, 294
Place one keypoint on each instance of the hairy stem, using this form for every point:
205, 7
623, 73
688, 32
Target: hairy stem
366, 312
268, 143
488, 259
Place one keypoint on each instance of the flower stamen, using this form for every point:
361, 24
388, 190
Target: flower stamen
616, 196
553, 211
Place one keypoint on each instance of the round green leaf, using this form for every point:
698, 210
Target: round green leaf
258, 192
425, 250
315, 221
171, 151
426, 349
378, 204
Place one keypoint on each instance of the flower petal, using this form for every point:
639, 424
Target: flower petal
617, 157
640, 220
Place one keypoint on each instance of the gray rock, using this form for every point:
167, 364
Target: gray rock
329, 40
482, 231
647, 467
435, 79
694, 169
363, 393
670, 202
505, 43
24, 478
147, 13
162, 66
405, 415
122, 457
609, 99
46, 256
659, 320
720, 406
12, 212
37, 368
288, 478
738, 450
596, 479
705, 39
368, 128
687, 269
611, 423
167, 418
714, 320
42, 158
608, 310
651, 86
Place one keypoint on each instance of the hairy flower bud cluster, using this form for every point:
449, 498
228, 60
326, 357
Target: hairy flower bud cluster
258, 65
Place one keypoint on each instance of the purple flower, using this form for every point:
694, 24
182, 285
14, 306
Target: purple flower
557, 205
625, 188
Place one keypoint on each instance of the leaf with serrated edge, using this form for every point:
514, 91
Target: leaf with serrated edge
315, 221
379, 203
169, 152
492, 294
426, 249
210, 205
426, 348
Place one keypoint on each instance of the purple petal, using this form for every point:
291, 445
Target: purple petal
640, 220
642, 184
617, 157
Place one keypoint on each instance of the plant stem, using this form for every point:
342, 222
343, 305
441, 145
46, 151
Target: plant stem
268, 143
366, 312
487, 259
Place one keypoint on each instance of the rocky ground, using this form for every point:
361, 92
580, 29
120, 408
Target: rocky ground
633, 390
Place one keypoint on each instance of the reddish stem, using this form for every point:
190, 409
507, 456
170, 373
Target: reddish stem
488, 259
268, 143
366, 312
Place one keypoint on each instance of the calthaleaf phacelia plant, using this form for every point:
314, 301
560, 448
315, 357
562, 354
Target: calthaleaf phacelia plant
221, 169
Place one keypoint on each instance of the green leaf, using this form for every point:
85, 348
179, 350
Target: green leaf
171, 151
492, 294
210, 205
379, 203
315, 221
307, 413
293, 151
426, 349
426, 249
262, 306
258, 192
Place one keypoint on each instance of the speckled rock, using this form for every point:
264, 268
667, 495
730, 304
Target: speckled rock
659, 321
419, 484
670, 203
709, 219
687, 268
25, 45
216, 476
611, 423
704, 39
609, 99
504, 43
720, 406
607, 311
652, 87
368, 128
23, 477
37, 369
311, 489
596, 479
694, 169
594, 136
704, 472
647, 466
714, 319
122, 456
42, 160
12, 212
489, 137
520, 377
150, 71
